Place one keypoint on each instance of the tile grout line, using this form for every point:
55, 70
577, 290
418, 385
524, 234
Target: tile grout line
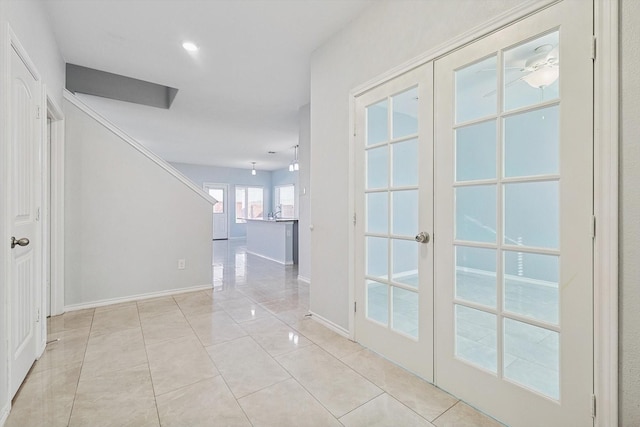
86, 348
146, 353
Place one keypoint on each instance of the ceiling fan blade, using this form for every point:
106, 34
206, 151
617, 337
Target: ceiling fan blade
493, 92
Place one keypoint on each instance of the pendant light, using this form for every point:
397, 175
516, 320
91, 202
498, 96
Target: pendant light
253, 168
294, 165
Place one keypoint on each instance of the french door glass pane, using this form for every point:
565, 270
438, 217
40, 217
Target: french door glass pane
377, 257
378, 213
531, 143
531, 72
405, 262
531, 357
405, 311
378, 167
475, 208
378, 301
476, 151
476, 337
377, 123
531, 214
405, 212
476, 90
476, 275
531, 285
405, 113
405, 163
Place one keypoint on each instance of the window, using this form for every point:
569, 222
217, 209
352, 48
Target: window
249, 203
285, 201
218, 194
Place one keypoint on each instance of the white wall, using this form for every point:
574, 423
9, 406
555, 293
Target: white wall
127, 221
388, 34
28, 20
630, 215
304, 193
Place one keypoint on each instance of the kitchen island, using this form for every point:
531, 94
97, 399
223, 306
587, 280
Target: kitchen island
276, 240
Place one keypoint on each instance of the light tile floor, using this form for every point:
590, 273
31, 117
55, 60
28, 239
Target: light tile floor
241, 354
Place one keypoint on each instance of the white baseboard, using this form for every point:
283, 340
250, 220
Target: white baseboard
4, 413
271, 259
111, 301
329, 324
304, 279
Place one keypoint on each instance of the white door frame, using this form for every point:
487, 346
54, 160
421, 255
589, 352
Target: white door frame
54, 210
206, 186
606, 182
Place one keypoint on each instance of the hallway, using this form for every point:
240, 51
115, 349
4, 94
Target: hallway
242, 354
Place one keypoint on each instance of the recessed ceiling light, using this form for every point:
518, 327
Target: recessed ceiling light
191, 47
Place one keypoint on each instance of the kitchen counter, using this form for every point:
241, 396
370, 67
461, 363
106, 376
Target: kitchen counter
276, 240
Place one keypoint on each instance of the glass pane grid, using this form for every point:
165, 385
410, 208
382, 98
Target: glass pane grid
522, 346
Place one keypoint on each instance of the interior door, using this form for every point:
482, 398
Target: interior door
394, 184
25, 192
513, 254
220, 214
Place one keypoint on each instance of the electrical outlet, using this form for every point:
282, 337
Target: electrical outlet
181, 264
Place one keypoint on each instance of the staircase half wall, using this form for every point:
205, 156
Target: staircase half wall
129, 217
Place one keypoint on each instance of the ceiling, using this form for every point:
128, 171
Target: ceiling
239, 94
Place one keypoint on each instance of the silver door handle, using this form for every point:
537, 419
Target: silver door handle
423, 237
19, 242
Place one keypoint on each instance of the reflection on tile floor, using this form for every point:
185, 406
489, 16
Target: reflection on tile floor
241, 354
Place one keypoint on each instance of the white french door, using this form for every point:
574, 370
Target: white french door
394, 291
26, 233
514, 188
498, 308
220, 214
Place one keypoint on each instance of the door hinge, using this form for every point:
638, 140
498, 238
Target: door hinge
594, 43
355, 306
593, 405
354, 219
38, 316
38, 112
593, 227
38, 214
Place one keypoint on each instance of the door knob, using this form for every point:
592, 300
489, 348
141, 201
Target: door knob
423, 237
19, 242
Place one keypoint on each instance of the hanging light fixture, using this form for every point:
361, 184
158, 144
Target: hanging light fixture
253, 168
294, 165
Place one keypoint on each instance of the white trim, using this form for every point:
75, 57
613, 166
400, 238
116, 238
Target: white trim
329, 324
606, 181
139, 297
500, 21
351, 240
237, 238
56, 214
304, 279
4, 413
270, 259
136, 145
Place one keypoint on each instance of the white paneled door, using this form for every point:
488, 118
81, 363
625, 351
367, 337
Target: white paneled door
489, 151
26, 234
394, 204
